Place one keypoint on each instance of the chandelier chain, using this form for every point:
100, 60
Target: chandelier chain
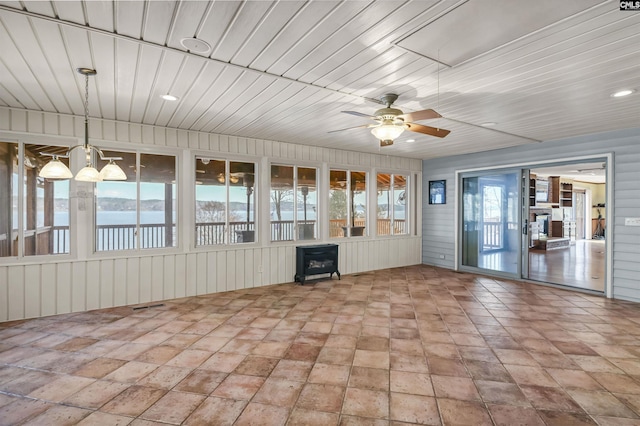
86, 97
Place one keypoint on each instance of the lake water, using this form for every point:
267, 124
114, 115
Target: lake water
114, 218
105, 217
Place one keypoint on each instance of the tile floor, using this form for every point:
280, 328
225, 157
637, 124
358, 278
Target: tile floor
415, 345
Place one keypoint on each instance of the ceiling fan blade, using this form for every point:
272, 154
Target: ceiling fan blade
428, 130
351, 128
425, 114
359, 114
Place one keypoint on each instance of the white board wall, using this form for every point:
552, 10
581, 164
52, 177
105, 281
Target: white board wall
85, 281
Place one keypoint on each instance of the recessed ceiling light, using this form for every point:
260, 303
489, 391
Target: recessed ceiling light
169, 97
621, 93
411, 140
489, 124
195, 45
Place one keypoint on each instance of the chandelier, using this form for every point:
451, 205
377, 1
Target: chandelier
57, 170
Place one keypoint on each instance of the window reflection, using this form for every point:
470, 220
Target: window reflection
141, 211
46, 205
225, 202
293, 203
347, 203
392, 202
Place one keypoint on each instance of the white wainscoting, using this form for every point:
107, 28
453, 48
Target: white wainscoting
36, 290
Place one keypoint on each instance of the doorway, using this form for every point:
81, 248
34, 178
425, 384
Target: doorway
536, 223
491, 223
564, 247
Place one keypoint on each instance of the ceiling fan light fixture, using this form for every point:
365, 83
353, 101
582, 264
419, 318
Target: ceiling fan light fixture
388, 131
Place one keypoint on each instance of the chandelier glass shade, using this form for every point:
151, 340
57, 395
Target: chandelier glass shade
56, 170
112, 172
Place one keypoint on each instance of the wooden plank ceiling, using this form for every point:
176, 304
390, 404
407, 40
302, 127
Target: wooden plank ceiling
283, 70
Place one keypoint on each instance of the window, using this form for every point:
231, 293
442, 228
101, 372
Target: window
347, 203
141, 211
392, 202
225, 207
293, 203
45, 203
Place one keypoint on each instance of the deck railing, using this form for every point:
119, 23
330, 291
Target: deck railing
123, 236
492, 235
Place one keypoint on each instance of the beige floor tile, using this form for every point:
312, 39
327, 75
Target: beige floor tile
223, 362
238, 386
600, 403
164, 377
216, 411
535, 376
58, 415
461, 388
414, 345
261, 414
366, 403
133, 401
98, 418
21, 409
372, 359
329, 374
546, 398
173, 407
321, 397
416, 409
280, 392
501, 393
191, 358
99, 367
411, 383
131, 372
96, 394
60, 388
201, 381
508, 415
300, 416
256, 366
457, 412
369, 378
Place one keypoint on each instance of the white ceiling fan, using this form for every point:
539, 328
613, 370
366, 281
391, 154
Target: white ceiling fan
391, 122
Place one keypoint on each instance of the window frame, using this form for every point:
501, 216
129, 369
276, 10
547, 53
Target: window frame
409, 178
196, 155
366, 232
295, 187
21, 257
138, 250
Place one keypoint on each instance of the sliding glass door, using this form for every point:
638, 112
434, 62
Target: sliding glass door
490, 222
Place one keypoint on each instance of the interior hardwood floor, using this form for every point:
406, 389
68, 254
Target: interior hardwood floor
404, 346
580, 265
